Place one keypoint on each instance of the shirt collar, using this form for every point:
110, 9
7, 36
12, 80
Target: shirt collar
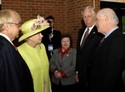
66, 51
90, 28
108, 33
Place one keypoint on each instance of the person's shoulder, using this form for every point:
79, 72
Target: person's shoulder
46, 31
95, 31
4, 46
94, 28
57, 31
42, 45
73, 50
81, 30
4, 42
1, 44
56, 51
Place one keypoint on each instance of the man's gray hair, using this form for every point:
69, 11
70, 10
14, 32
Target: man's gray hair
89, 8
110, 13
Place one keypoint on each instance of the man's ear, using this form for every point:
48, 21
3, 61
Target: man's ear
107, 18
5, 26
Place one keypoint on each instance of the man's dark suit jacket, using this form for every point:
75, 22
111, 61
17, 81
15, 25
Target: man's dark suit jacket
84, 54
56, 40
14, 73
109, 62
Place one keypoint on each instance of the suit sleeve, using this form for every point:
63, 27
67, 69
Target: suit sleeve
1, 75
78, 50
115, 63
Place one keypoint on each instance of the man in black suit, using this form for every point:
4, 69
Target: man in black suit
109, 59
51, 38
88, 40
14, 73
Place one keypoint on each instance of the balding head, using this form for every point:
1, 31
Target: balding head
106, 20
107, 12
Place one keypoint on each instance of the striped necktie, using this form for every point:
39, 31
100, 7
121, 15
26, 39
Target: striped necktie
102, 40
84, 38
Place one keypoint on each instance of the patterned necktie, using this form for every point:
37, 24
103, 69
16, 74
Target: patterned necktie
102, 40
84, 38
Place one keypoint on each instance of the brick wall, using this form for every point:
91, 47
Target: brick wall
67, 13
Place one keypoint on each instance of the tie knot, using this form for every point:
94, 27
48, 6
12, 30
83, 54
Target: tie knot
87, 29
87, 32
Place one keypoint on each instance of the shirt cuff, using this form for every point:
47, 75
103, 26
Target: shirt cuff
63, 74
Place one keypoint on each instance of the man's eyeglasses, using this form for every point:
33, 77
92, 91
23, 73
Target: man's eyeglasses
17, 24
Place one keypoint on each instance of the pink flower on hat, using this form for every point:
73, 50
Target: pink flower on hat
39, 22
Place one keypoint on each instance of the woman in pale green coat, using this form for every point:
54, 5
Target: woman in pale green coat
34, 53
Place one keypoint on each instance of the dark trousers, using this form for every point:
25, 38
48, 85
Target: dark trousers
63, 88
82, 87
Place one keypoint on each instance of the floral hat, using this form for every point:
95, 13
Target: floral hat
32, 27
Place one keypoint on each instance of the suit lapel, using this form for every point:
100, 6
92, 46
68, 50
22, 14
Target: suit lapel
90, 36
66, 56
114, 34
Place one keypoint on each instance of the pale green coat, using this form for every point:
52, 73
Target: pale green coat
38, 64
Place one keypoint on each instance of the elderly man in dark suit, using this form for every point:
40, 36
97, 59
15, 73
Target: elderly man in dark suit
14, 73
109, 59
88, 40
